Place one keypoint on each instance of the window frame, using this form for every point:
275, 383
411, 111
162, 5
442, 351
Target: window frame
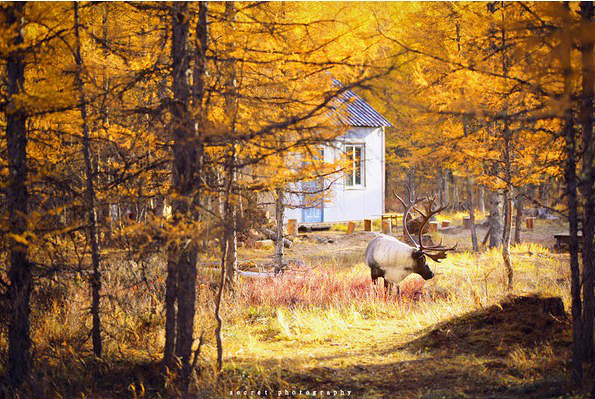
352, 171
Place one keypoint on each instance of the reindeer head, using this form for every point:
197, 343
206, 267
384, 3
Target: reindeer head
435, 252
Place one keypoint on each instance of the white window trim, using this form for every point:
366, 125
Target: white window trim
362, 185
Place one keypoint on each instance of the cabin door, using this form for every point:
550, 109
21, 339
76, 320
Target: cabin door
313, 202
313, 194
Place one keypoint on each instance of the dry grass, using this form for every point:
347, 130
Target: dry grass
326, 327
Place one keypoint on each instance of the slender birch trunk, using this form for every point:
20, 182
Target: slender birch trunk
228, 215
482, 206
494, 219
474, 242
279, 211
90, 200
507, 155
231, 113
518, 225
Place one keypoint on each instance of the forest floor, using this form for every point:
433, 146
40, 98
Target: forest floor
323, 329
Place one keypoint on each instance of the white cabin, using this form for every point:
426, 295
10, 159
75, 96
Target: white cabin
359, 193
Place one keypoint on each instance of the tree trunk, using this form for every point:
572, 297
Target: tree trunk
279, 210
471, 215
439, 187
105, 218
571, 193
411, 181
171, 284
519, 216
495, 219
507, 155
231, 115
455, 195
588, 179
468, 182
186, 174
446, 188
228, 214
225, 244
482, 204
89, 194
508, 212
19, 292
232, 238
198, 92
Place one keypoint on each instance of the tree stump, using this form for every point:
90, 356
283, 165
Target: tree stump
367, 225
530, 221
445, 224
466, 222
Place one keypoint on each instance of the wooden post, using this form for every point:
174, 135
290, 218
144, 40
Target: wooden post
386, 227
292, 227
530, 222
432, 227
445, 224
350, 228
466, 222
367, 225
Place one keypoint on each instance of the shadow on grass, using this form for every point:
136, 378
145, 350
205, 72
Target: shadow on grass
469, 357
525, 321
76, 377
466, 357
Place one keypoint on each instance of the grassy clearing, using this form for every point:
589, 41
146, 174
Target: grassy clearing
458, 335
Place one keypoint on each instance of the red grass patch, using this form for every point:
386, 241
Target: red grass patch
323, 289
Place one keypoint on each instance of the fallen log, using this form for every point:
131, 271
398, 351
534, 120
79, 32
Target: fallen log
271, 235
257, 274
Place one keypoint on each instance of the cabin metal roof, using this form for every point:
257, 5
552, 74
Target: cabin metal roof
352, 110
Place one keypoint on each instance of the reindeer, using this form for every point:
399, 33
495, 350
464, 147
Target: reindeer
393, 260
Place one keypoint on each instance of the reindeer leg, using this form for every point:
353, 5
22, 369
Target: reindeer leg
388, 287
374, 277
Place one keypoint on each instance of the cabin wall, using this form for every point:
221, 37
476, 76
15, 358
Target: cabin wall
353, 203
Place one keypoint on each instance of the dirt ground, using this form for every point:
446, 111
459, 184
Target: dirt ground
347, 250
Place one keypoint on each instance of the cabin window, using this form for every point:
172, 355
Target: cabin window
354, 176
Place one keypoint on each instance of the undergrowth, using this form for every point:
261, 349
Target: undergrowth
276, 330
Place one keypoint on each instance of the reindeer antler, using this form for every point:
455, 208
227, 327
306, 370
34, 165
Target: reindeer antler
408, 206
441, 251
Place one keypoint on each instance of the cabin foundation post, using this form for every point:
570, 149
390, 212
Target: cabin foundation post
432, 227
386, 227
350, 228
292, 229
